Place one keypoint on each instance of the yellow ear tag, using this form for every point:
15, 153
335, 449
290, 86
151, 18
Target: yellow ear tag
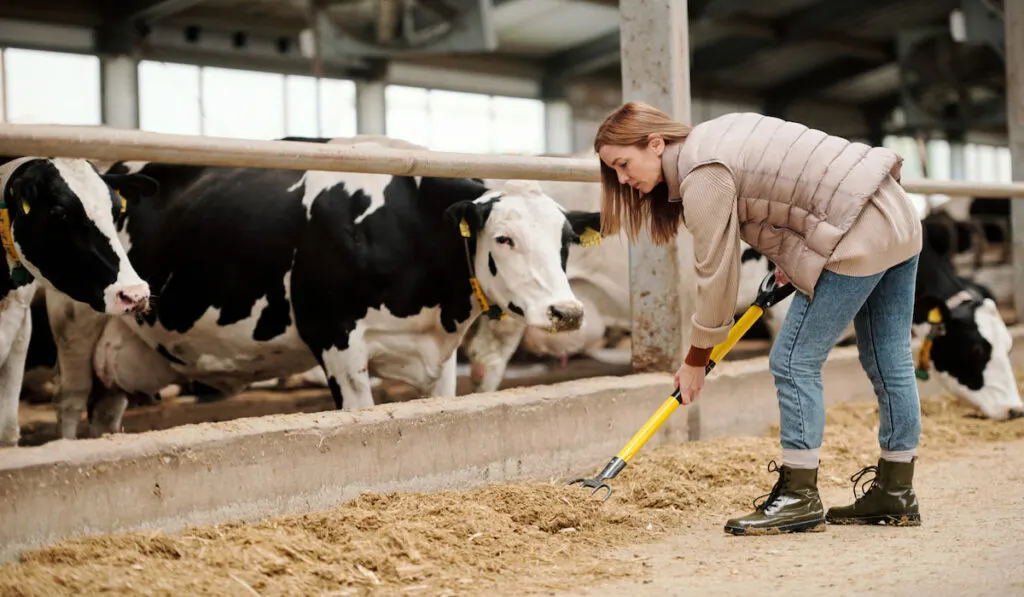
934, 316
24, 206
124, 204
590, 237
464, 228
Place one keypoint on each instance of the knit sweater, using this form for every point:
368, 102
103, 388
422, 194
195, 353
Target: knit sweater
887, 232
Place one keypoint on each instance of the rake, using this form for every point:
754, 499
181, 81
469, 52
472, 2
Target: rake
769, 293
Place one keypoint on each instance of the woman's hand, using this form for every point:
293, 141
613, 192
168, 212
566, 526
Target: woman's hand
780, 277
690, 381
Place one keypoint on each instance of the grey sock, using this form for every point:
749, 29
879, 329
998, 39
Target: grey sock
800, 458
901, 456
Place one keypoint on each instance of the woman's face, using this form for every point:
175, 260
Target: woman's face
639, 167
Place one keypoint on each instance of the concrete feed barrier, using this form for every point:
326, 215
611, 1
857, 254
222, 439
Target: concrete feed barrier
252, 468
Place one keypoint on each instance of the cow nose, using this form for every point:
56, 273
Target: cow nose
566, 316
133, 298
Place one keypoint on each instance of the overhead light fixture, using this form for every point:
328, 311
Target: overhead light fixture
957, 26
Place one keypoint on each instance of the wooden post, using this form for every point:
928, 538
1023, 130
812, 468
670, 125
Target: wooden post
656, 70
1013, 14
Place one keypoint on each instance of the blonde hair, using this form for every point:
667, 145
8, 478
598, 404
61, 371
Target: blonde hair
632, 124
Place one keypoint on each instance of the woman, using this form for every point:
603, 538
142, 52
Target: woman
833, 218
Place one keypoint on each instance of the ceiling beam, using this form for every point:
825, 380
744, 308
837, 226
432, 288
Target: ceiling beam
152, 10
716, 9
726, 53
612, 3
816, 25
818, 80
719, 38
829, 15
588, 57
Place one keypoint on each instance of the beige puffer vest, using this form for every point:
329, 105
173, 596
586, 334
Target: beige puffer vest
799, 189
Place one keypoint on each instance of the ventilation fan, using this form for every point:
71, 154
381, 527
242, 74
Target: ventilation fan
382, 28
945, 84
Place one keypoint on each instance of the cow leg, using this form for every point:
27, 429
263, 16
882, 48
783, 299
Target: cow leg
489, 350
15, 326
106, 410
76, 330
347, 375
123, 364
446, 385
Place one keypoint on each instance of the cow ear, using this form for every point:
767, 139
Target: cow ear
586, 225
132, 187
926, 303
464, 216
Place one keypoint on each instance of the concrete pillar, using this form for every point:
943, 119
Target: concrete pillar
656, 70
119, 76
558, 127
371, 108
1013, 13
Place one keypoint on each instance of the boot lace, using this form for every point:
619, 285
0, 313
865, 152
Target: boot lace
870, 483
774, 493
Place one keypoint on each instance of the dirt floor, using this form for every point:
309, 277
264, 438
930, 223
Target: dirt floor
546, 538
969, 544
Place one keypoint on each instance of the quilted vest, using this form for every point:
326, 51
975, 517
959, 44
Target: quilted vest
799, 189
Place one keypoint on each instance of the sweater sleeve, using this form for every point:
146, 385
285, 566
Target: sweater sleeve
710, 207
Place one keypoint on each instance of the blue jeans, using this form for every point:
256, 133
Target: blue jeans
881, 307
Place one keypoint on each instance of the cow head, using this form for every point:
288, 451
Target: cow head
61, 215
971, 353
521, 240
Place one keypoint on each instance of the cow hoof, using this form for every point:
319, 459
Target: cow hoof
1015, 413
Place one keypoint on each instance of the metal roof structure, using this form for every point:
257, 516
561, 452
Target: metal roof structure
941, 61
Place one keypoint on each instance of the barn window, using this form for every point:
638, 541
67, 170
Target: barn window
465, 122
337, 108
31, 97
169, 100
222, 102
245, 104
300, 107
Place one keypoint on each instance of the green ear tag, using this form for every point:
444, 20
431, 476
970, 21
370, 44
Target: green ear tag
20, 276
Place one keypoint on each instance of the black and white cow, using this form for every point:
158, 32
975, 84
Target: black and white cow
261, 273
972, 355
57, 225
972, 358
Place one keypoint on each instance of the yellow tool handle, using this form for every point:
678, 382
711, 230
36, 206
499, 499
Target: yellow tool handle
672, 403
640, 437
752, 314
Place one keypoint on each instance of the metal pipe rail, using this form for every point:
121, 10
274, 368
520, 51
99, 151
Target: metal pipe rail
107, 144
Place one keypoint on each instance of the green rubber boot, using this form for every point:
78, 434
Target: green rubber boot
792, 506
889, 500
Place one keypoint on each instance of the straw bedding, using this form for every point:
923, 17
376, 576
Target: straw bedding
522, 538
